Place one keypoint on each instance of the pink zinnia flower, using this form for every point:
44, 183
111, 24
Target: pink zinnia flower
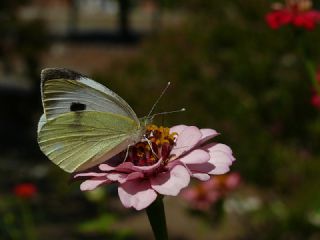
203, 195
163, 164
299, 13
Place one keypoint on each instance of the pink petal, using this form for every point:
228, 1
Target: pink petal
218, 157
201, 168
178, 129
201, 176
186, 140
125, 167
123, 177
212, 147
221, 160
137, 194
89, 174
171, 182
116, 176
220, 169
147, 169
196, 156
134, 175
105, 167
128, 167
207, 134
93, 183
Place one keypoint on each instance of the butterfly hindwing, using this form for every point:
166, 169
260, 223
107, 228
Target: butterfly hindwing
79, 140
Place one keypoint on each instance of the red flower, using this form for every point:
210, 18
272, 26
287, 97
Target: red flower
276, 19
299, 13
307, 20
315, 101
25, 190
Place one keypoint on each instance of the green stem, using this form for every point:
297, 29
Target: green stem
9, 226
308, 63
311, 69
27, 221
157, 219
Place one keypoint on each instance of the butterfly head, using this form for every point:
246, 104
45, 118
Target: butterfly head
145, 121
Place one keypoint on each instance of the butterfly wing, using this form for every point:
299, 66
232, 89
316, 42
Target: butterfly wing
64, 90
79, 140
84, 123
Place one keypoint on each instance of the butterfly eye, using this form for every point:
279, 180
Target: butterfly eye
76, 106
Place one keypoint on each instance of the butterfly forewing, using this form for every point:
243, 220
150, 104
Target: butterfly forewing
64, 91
79, 140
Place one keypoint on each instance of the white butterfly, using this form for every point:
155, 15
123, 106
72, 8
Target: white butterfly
84, 123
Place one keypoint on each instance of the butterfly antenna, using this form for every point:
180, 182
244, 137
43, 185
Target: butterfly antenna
157, 101
175, 111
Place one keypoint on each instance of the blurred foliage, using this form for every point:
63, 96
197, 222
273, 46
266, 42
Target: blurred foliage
233, 74
22, 42
249, 82
21, 39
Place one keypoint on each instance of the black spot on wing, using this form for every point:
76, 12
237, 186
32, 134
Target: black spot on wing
76, 106
59, 73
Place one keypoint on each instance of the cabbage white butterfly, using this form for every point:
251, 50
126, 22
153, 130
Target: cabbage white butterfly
84, 123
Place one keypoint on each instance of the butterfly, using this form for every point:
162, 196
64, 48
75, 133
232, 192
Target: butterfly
84, 123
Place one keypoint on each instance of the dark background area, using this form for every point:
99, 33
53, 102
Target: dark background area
227, 68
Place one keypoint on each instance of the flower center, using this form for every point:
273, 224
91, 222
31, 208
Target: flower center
294, 5
299, 5
156, 146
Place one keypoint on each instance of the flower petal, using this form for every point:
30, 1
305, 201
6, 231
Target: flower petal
220, 169
178, 129
219, 147
201, 168
220, 158
93, 183
171, 182
207, 134
186, 140
137, 194
147, 169
89, 174
201, 176
125, 167
105, 167
123, 177
116, 176
196, 156
221, 161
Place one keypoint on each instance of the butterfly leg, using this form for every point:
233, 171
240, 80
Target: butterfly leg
150, 145
127, 153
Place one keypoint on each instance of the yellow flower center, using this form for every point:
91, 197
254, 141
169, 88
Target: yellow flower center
156, 146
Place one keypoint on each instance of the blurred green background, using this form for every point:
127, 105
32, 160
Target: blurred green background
227, 68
